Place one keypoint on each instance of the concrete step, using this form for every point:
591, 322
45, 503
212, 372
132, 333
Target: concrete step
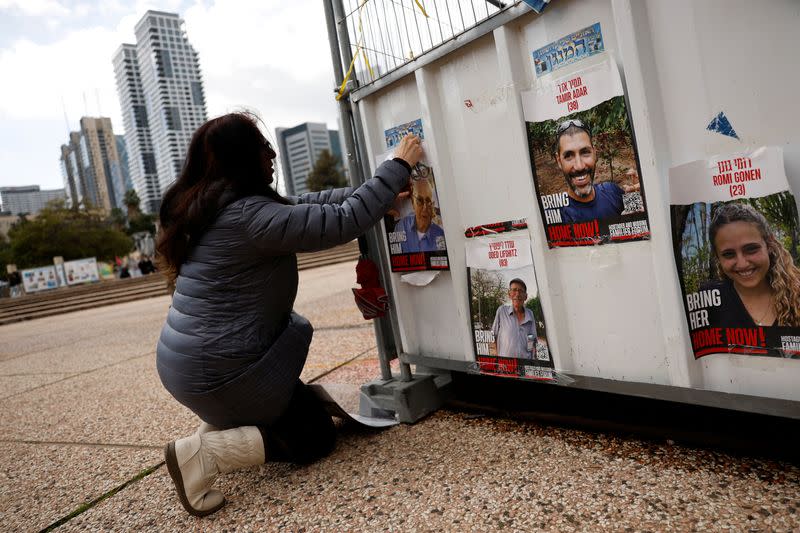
339, 254
57, 310
66, 301
88, 288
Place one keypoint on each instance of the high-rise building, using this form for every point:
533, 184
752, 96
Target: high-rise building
72, 170
28, 199
141, 153
300, 148
124, 162
91, 166
68, 174
161, 91
99, 147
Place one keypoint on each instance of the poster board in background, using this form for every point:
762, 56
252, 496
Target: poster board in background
501, 277
587, 175
39, 279
105, 270
415, 234
736, 241
81, 271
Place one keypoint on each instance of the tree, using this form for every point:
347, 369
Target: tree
142, 222
58, 230
137, 221
117, 218
5, 256
132, 203
489, 292
535, 305
325, 174
781, 212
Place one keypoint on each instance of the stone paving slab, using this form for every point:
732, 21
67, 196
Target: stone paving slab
319, 283
123, 403
330, 348
20, 383
335, 311
40, 484
61, 331
86, 354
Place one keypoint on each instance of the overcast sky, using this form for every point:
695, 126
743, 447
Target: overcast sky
270, 56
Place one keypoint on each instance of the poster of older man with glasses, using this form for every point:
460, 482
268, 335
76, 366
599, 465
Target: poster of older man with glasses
414, 230
583, 154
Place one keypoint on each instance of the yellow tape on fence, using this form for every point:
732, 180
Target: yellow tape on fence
366, 60
359, 49
363, 52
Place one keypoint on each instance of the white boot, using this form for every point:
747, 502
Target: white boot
194, 462
205, 427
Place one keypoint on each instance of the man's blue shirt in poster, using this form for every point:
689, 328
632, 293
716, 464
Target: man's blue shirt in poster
607, 203
430, 241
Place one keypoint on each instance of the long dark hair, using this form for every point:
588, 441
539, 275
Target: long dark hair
228, 158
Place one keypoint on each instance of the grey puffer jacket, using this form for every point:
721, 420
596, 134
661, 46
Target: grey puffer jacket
232, 349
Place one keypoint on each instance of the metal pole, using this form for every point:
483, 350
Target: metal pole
389, 323
387, 329
339, 41
338, 76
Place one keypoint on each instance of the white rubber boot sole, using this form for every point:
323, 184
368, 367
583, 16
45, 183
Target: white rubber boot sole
175, 473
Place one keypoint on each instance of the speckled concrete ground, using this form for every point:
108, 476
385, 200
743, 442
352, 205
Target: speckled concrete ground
83, 412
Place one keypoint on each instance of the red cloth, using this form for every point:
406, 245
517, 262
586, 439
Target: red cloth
371, 298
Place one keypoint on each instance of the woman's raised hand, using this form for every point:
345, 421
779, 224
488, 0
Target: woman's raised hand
409, 149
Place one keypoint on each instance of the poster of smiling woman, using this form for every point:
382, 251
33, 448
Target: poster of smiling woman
737, 248
583, 157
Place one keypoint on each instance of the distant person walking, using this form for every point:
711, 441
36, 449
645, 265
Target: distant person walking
15, 284
146, 266
232, 349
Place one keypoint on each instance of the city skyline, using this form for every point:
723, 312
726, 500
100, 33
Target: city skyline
60, 54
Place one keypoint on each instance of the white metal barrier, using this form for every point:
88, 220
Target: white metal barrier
614, 312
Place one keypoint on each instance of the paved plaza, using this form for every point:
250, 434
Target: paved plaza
84, 420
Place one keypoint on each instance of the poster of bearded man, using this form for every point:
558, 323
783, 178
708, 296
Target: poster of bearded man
583, 155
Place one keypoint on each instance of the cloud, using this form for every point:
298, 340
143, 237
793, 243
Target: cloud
230, 36
276, 95
75, 70
35, 8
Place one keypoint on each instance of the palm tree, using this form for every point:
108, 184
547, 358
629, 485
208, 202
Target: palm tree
131, 201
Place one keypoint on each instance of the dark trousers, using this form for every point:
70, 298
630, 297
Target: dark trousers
303, 433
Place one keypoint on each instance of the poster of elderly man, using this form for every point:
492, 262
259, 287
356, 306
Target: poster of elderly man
508, 324
414, 230
583, 155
